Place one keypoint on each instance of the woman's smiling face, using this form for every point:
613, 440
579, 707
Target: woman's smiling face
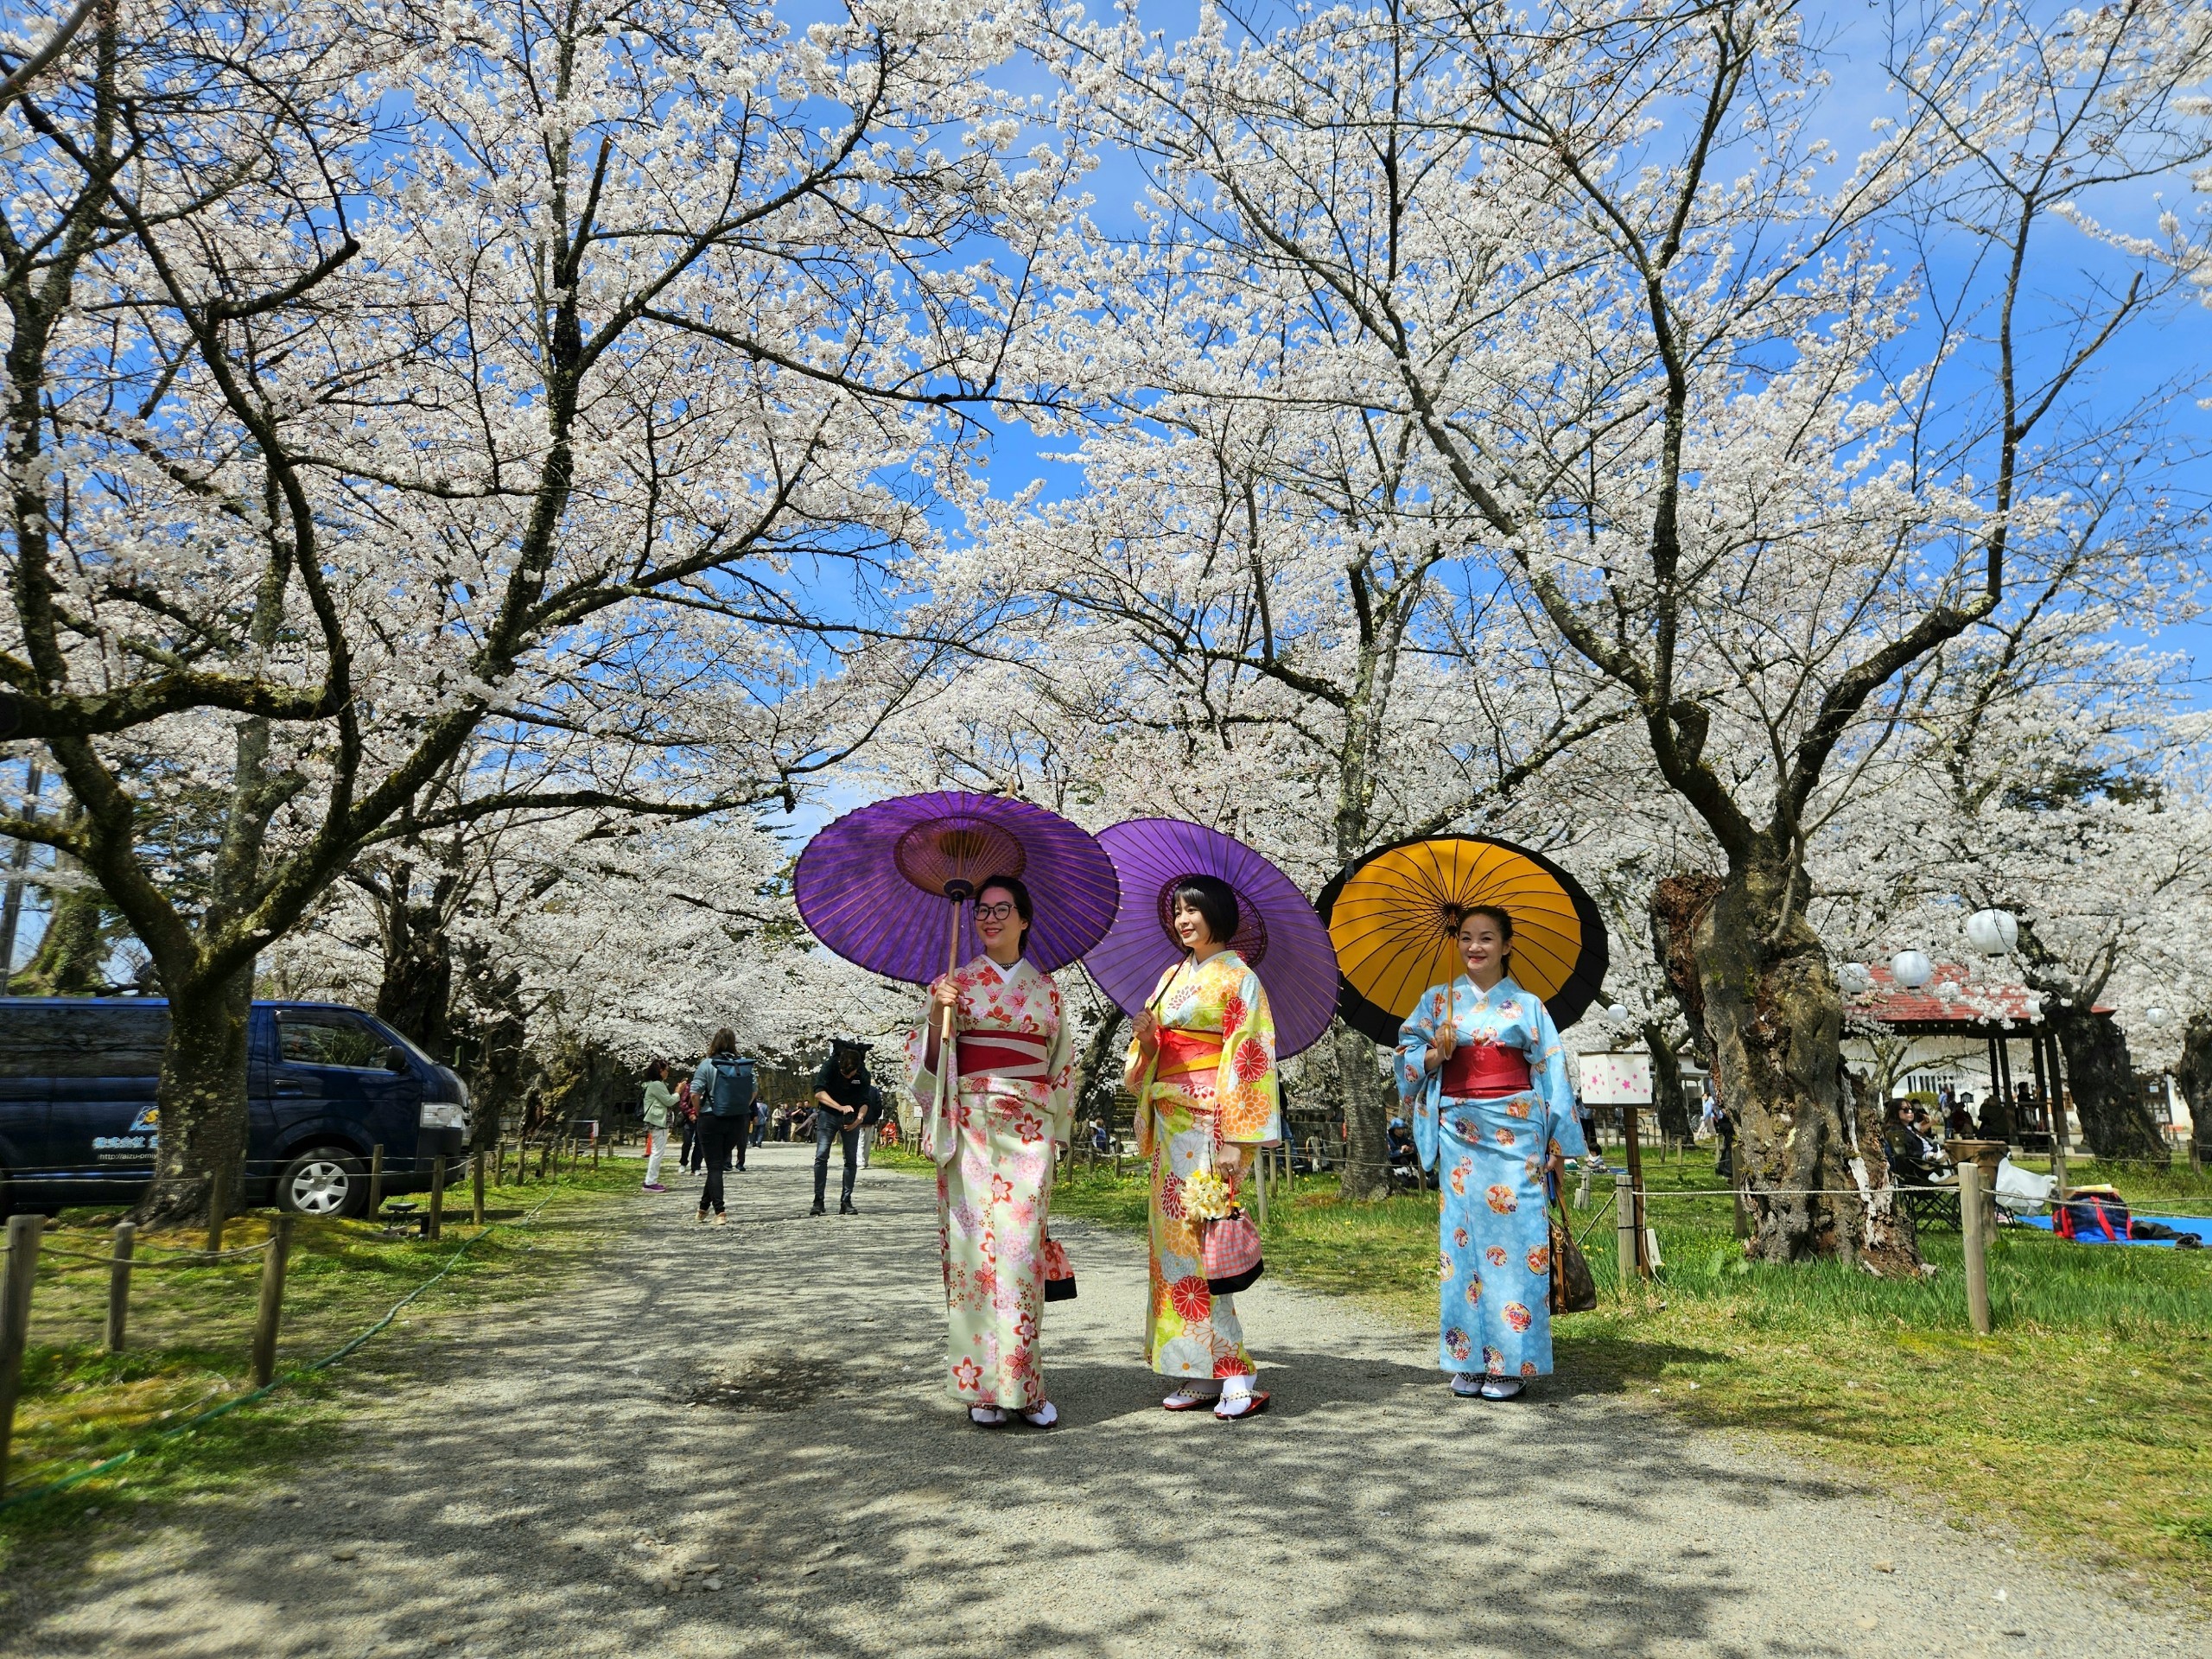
1482, 946
998, 923
1190, 925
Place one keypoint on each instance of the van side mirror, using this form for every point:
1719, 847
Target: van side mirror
395, 1058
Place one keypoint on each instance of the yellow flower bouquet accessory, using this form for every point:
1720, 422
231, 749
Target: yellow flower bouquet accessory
1206, 1196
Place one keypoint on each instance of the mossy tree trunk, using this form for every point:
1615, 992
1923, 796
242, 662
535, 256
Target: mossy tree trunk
2116, 1120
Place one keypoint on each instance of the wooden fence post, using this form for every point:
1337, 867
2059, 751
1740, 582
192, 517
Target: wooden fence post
118, 1284
437, 1197
476, 1178
376, 1180
23, 1237
218, 1208
1625, 1226
1260, 1181
500, 1164
1975, 1225
270, 1309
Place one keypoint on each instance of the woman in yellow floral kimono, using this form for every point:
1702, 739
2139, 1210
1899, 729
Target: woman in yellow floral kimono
994, 1148
1202, 1068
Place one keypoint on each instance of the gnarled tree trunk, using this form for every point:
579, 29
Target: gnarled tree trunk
1667, 1100
2115, 1120
2193, 1076
1808, 1156
1368, 1105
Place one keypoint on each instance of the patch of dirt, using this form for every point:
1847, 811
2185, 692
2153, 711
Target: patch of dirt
784, 1383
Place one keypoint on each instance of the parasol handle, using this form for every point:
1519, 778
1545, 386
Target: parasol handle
947, 1055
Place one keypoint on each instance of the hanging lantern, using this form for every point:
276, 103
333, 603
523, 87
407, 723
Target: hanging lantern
1853, 979
2158, 1016
1994, 933
1911, 969
1618, 1011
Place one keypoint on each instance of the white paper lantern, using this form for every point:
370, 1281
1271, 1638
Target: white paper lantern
1618, 1011
2157, 1016
1855, 979
1911, 969
1994, 933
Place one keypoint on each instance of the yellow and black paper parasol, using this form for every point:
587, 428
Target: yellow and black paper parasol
1392, 915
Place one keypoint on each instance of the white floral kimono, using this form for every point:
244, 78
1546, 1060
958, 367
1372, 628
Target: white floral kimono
1014, 1098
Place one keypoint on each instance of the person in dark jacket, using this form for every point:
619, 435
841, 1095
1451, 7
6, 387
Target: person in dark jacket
843, 1095
723, 1087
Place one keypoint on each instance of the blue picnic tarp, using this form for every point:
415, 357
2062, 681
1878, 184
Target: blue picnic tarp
2201, 1225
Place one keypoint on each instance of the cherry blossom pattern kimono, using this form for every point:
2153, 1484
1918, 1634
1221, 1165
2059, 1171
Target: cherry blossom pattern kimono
1214, 1074
1490, 1148
1015, 1097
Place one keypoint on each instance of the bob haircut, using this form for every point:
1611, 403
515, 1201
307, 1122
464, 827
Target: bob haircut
725, 1042
1010, 884
1213, 899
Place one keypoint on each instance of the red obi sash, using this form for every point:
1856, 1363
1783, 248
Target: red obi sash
1485, 1071
1188, 1051
1016, 1054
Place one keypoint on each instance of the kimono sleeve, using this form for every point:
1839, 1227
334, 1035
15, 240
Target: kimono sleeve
1143, 1091
1247, 1089
1420, 1090
917, 1057
1547, 1076
1060, 1074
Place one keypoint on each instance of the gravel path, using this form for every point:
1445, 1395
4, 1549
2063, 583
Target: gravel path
733, 1442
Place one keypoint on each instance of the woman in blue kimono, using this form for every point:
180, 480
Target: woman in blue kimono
1482, 1075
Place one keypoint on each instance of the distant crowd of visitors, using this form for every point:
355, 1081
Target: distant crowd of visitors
714, 1114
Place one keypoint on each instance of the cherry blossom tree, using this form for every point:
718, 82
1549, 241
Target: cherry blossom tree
1756, 418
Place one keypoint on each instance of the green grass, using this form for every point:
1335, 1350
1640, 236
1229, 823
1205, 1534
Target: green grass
2085, 1421
190, 1333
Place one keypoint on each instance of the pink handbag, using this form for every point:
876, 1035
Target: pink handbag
1231, 1253
1059, 1274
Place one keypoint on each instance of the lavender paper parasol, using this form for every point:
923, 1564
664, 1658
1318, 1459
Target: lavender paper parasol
1278, 934
876, 885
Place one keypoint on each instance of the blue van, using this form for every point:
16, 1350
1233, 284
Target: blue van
325, 1085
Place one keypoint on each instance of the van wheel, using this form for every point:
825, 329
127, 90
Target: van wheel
324, 1181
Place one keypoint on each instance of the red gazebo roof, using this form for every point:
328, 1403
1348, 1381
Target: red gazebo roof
1952, 1003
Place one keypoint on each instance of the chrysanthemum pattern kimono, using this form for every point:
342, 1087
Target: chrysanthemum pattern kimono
1214, 1074
1015, 1098
1494, 1248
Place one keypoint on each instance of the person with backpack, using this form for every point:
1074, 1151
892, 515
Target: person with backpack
660, 1113
723, 1086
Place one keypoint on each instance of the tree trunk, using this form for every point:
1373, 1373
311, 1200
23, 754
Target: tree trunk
202, 1096
2115, 1120
2193, 1076
415, 992
1098, 1074
1809, 1154
71, 955
1667, 1100
1367, 1103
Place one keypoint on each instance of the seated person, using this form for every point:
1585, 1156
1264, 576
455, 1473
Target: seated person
1401, 1141
1911, 1159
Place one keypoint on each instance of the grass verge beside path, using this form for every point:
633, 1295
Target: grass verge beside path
190, 1332
2085, 1421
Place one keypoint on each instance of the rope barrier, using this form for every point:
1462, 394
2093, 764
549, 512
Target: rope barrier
65, 1481
182, 1259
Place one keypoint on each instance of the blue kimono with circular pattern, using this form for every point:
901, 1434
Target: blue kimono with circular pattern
1494, 1246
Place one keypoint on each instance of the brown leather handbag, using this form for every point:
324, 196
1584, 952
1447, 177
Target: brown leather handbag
1573, 1290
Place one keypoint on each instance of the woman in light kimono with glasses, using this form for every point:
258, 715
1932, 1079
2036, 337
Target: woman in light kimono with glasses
1481, 1066
1012, 1099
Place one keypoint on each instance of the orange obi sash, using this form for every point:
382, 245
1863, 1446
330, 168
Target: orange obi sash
1019, 1055
1485, 1071
1182, 1051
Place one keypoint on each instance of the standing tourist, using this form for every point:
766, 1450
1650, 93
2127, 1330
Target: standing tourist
1202, 1064
842, 1092
687, 1103
660, 1113
1012, 1099
1482, 1069
723, 1087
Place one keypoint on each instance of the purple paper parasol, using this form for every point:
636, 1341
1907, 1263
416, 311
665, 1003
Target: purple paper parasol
875, 885
1278, 934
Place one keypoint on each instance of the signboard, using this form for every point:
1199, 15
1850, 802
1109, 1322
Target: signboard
1622, 1079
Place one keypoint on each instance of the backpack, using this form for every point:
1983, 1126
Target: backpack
2092, 1212
731, 1093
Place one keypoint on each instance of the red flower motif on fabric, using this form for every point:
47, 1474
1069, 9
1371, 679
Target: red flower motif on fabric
967, 1373
1459, 1236
1192, 1298
1460, 1171
1001, 1189
1518, 1317
1252, 1061
1458, 1345
1230, 1365
1528, 1368
1474, 1291
1501, 1199
1495, 1256
1232, 1012
1493, 1362
1540, 1259
1171, 1198
1504, 1137
1517, 1107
